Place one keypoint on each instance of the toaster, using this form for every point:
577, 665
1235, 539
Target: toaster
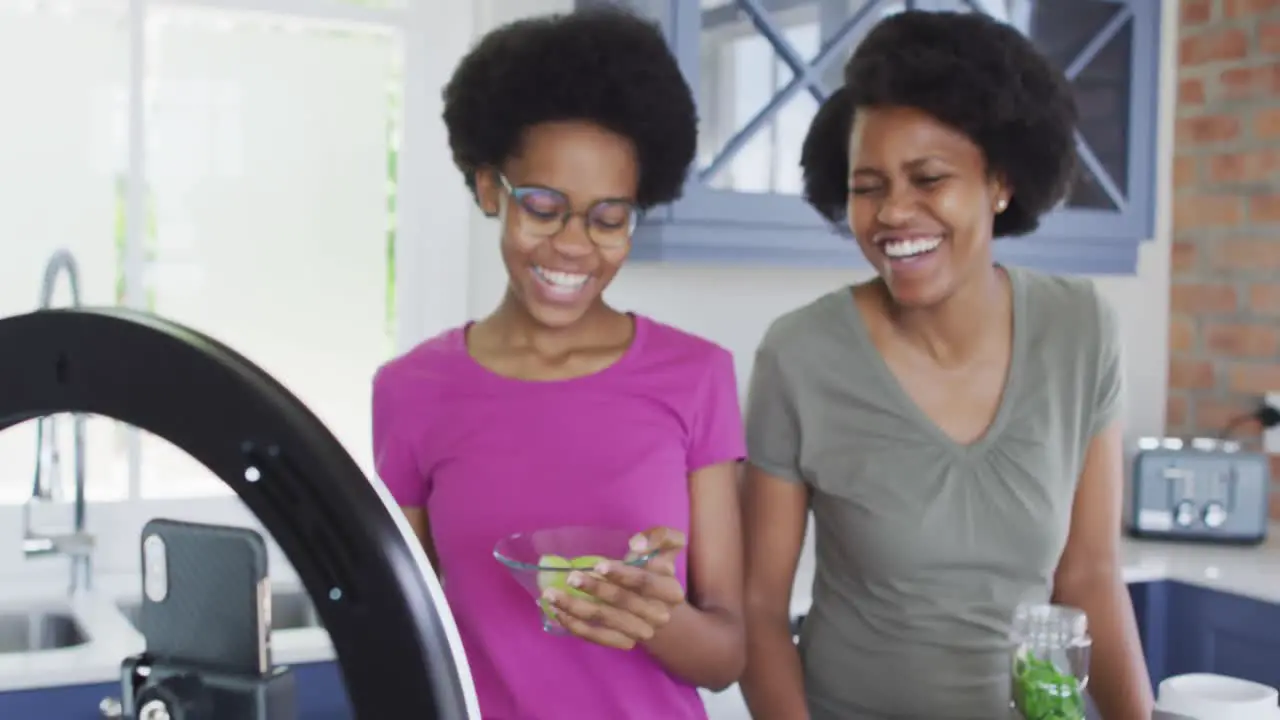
1204, 490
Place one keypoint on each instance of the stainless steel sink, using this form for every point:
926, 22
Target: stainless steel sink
290, 610
293, 610
23, 632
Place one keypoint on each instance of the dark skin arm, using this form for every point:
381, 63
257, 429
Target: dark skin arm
705, 641
1089, 577
699, 637
421, 525
775, 512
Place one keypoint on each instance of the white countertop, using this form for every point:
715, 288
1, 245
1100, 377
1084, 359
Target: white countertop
1252, 572
1248, 571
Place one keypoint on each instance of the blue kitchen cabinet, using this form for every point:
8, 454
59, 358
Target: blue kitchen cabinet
1150, 608
1209, 631
1183, 628
760, 69
77, 702
1190, 629
321, 696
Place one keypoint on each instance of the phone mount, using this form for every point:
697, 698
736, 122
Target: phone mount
162, 691
394, 637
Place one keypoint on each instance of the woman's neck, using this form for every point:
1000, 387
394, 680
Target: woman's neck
953, 331
512, 325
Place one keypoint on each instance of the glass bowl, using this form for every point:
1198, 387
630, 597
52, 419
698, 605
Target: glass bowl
544, 558
1050, 664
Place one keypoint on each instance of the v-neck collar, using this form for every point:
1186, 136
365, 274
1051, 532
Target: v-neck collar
913, 410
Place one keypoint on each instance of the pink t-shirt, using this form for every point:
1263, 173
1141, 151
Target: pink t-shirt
489, 456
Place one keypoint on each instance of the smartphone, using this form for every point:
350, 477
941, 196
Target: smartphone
206, 597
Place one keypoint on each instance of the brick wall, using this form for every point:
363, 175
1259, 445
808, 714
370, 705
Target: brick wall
1224, 329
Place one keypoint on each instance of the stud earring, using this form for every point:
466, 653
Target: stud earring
1001, 205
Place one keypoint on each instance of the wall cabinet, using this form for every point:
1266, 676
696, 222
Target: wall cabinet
760, 69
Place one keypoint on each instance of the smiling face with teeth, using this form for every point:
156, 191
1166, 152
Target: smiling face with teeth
560, 279
921, 203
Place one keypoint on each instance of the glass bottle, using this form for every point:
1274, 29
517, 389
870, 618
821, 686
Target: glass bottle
1050, 663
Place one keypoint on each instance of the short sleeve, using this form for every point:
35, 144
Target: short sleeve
716, 432
773, 428
394, 458
1109, 393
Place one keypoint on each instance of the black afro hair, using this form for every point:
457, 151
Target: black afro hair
973, 73
603, 65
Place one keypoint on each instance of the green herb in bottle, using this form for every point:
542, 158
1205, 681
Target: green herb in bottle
1042, 692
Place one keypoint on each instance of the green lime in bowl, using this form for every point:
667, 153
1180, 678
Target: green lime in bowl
543, 559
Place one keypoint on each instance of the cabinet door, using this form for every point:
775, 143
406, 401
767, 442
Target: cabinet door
1214, 632
1110, 52
763, 66
1150, 612
77, 702
760, 69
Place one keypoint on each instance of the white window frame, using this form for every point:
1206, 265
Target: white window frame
431, 255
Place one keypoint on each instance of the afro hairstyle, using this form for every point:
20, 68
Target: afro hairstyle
973, 73
603, 65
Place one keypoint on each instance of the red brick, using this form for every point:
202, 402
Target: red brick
1212, 46
1182, 333
1245, 8
1246, 254
1176, 413
1191, 92
1184, 257
1203, 298
1243, 83
1275, 494
1189, 374
1186, 171
1265, 300
1196, 12
1269, 38
1255, 378
1266, 124
1213, 415
1265, 208
1243, 340
1244, 167
1205, 129
1204, 211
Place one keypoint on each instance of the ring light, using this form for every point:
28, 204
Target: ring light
392, 632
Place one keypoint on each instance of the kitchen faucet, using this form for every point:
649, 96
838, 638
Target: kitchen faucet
77, 545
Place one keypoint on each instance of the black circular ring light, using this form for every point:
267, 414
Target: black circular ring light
392, 633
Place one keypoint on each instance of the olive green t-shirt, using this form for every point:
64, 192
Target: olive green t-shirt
925, 547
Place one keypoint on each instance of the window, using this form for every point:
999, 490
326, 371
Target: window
756, 103
270, 177
743, 74
253, 196
60, 192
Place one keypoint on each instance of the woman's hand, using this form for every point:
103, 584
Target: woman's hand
627, 604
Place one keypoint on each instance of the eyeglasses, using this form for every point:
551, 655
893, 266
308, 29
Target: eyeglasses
545, 212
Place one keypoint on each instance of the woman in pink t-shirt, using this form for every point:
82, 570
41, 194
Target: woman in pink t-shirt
557, 409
